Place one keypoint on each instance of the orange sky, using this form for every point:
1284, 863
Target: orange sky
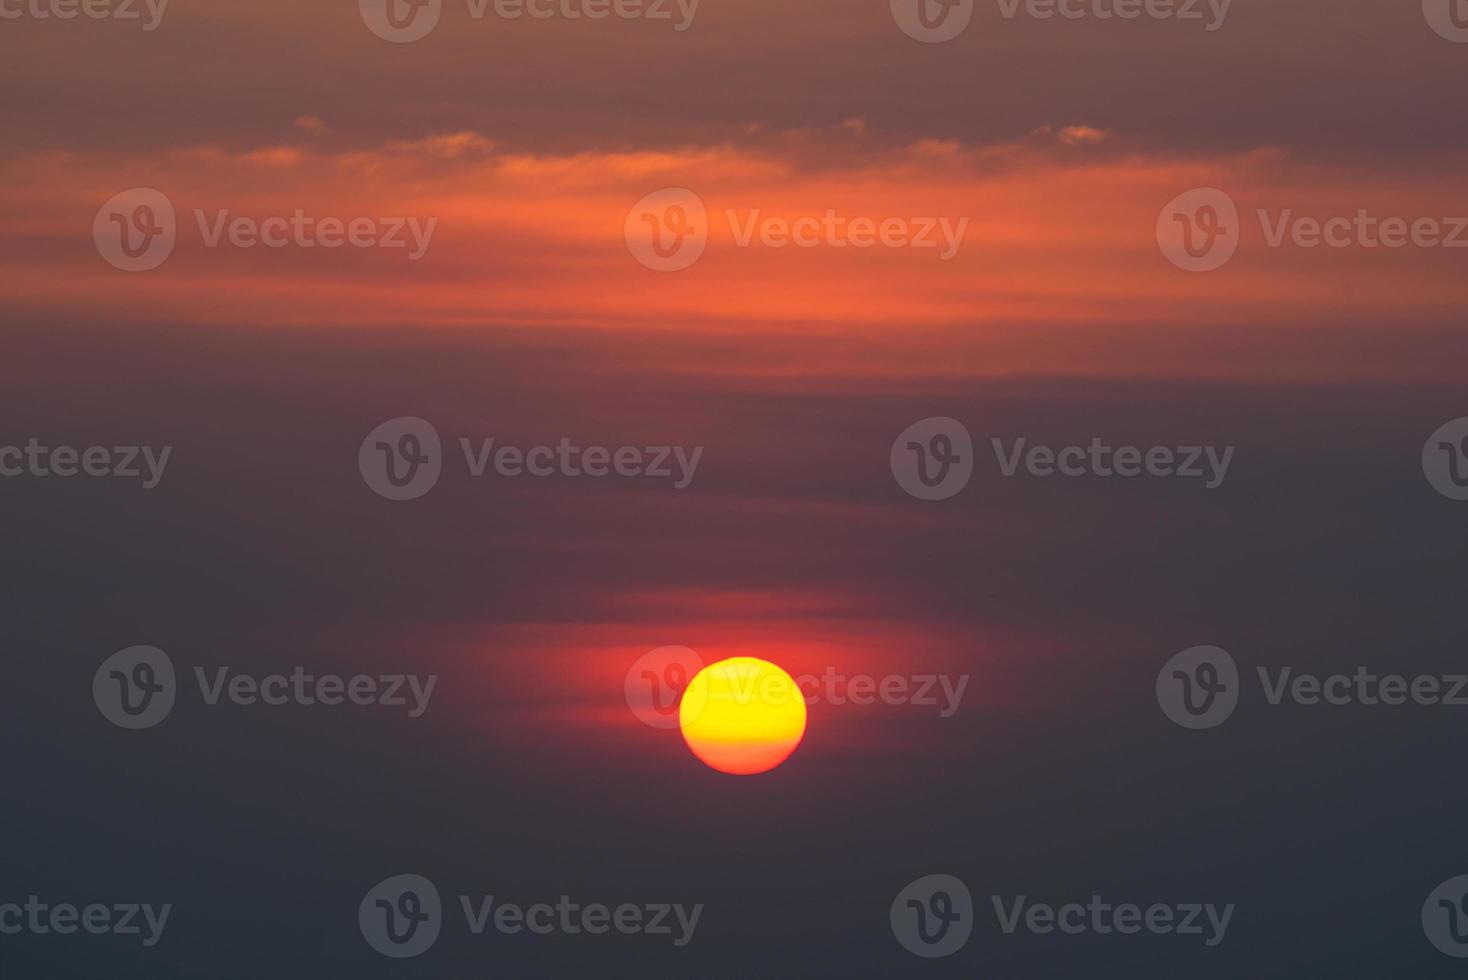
1057, 235
1054, 143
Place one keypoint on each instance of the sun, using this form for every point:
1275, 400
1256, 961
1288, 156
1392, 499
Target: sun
742, 715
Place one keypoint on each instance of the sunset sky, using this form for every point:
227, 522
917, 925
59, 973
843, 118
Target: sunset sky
528, 318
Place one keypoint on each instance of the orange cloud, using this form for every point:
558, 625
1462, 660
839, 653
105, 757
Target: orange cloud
1057, 233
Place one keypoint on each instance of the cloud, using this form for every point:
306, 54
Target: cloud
310, 124
1057, 233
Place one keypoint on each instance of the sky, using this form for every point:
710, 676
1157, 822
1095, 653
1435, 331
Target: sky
1032, 288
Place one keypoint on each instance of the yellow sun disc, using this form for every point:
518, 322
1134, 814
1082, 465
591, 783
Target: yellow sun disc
742, 715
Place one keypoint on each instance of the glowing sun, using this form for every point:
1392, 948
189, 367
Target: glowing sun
742, 715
